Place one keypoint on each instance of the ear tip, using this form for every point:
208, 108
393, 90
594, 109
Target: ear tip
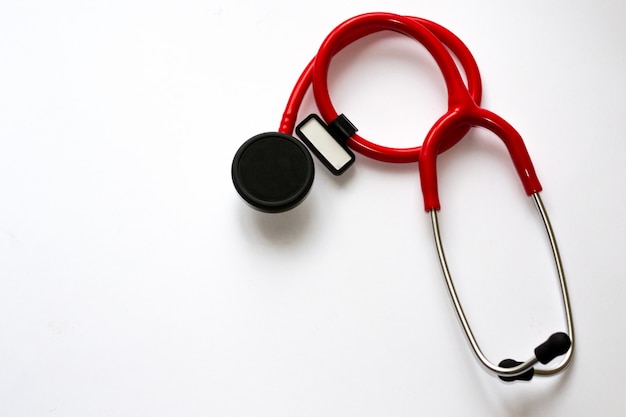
556, 345
510, 363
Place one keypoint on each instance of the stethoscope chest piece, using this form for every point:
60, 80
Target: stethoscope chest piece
273, 172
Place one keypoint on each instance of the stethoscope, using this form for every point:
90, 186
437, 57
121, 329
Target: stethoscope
273, 171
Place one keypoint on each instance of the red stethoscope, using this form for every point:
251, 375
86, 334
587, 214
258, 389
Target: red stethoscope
274, 171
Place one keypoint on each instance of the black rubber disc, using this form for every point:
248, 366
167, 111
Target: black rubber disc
273, 172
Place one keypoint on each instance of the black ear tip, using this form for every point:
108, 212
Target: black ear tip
273, 172
563, 339
510, 363
556, 345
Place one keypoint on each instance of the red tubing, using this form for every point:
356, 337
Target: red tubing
463, 102
472, 116
430, 34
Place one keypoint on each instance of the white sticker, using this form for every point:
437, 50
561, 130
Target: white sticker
326, 145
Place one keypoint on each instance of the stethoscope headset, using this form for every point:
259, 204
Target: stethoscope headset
274, 172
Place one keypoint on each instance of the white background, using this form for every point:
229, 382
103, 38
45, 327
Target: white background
134, 281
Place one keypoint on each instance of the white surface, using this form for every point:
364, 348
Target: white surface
325, 144
135, 282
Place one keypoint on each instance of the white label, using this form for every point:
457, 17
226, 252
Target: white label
325, 143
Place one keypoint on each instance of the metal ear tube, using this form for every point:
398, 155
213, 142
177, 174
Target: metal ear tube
470, 114
557, 344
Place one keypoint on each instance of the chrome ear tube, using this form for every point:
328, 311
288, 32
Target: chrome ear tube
558, 344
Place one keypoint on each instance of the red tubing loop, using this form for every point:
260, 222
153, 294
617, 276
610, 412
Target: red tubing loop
435, 39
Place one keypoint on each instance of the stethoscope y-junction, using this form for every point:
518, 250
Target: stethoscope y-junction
273, 171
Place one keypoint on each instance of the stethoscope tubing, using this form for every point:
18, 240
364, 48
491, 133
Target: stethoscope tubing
472, 115
439, 38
